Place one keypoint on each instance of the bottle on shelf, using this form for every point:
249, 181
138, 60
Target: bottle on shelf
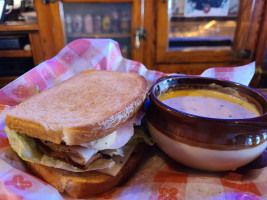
125, 52
125, 22
77, 23
106, 24
88, 24
97, 24
68, 21
115, 22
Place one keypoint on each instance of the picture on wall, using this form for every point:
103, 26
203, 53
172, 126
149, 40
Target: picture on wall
204, 8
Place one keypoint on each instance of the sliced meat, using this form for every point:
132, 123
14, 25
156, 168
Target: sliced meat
80, 154
124, 134
66, 153
119, 138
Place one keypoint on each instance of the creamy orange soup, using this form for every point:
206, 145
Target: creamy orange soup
209, 103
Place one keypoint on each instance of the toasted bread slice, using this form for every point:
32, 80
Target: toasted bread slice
86, 184
84, 108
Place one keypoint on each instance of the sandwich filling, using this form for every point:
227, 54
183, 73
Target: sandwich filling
82, 155
107, 154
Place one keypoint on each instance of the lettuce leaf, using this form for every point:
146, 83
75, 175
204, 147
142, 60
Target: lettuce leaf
140, 135
27, 150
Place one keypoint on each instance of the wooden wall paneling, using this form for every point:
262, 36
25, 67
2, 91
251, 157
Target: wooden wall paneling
194, 68
195, 56
137, 21
56, 10
97, 1
6, 80
18, 26
150, 26
45, 21
15, 53
243, 23
261, 44
255, 24
36, 48
50, 19
161, 31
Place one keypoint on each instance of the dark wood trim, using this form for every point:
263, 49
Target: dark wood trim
101, 35
255, 25
137, 54
15, 53
56, 10
261, 45
46, 31
196, 56
97, 1
36, 49
150, 26
18, 26
242, 26
194, 68
5, 80
161, 31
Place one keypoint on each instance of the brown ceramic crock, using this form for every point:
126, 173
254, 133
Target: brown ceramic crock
228, 135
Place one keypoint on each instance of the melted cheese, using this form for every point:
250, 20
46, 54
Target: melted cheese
118, 138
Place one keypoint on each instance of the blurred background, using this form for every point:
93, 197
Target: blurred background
175, 36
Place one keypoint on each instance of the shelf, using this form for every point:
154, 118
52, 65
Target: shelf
15, 53
5, 80
232, 16
201, 38
18, 26
101, 35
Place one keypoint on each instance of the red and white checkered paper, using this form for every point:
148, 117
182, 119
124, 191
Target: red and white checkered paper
157, 177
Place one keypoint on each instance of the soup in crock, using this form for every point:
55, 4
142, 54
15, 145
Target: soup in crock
209, 103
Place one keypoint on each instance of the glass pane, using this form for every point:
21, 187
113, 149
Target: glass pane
99, 20
202, 24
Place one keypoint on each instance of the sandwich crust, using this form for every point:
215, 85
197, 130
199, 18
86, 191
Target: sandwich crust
86, 184
86, 107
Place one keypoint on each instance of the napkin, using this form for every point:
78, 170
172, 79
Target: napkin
158, 176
